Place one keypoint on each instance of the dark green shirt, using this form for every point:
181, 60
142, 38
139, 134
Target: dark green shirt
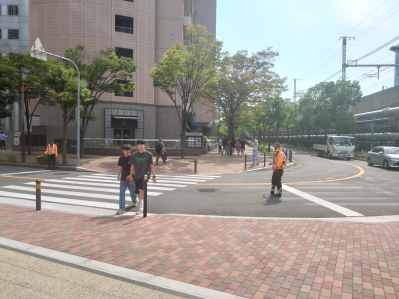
141, 162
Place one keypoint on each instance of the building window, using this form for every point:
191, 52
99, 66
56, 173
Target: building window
13, 33
128, 94
124, 24
123, 52
12, 10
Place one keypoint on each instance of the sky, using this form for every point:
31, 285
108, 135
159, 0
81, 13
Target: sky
306, 34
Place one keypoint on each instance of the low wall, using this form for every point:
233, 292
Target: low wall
118, 152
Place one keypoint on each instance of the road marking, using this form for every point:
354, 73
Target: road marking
332, 187
159, 178
78, 202
360, 173
103, 196
25, 172
22, 177
322, 202
361, 204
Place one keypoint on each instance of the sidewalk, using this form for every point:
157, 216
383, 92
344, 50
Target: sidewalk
250, 258
213, 162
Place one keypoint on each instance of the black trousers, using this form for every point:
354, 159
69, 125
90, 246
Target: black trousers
3, 144
51, 161
276, 178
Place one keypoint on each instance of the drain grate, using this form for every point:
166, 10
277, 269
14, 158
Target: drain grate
208, 190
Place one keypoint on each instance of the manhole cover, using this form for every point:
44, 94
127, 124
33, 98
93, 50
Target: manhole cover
208, 190
61, 173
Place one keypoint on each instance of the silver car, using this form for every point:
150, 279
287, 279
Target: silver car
386, 156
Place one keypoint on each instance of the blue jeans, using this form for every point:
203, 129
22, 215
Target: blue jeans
122, 190
255, 159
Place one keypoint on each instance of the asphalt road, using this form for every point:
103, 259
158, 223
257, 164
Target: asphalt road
314, 188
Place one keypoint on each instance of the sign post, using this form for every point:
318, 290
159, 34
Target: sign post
37, 51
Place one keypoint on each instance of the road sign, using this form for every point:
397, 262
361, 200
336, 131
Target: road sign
37, 45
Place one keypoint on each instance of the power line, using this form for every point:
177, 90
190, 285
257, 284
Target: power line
379, 48
333, 75
367, 17
360, 33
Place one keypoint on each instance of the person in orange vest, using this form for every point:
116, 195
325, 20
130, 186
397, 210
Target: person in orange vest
52, 152
278, 164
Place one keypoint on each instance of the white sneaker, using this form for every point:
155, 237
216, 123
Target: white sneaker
139, 212
119, 212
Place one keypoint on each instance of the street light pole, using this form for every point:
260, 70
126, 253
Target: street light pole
34, 50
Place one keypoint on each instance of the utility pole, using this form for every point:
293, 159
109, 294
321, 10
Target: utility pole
295, 88
344, 55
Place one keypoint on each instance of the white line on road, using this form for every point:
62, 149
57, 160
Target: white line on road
360, 204
331, 187
95, 195
24, 172
322, 202
95, 204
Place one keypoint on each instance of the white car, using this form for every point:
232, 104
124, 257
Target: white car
386, 156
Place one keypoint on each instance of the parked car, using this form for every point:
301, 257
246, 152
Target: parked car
387, 156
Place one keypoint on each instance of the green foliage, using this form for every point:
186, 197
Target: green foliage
102, 74
36, 139
43, 160
361, 154
243, 81
11, 159
187, 71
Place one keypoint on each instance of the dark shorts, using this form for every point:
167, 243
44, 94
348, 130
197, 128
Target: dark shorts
140, 184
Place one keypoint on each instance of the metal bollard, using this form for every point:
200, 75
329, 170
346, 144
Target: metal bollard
264, 159
38, 195
290, 155
245, 157
145, 181
195, 165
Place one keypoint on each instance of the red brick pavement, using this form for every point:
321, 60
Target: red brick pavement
254, 258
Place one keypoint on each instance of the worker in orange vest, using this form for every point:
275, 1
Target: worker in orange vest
278, 164
52, 152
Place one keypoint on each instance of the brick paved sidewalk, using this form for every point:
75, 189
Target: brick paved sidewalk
207, 163
253, 258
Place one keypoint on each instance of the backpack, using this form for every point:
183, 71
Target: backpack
158, 147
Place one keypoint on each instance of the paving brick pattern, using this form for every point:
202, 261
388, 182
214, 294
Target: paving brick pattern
253, 258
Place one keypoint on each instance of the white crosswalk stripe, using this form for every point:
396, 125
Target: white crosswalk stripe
95, 194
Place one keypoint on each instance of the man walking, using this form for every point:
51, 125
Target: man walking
278, 163
220, 145
141, 164
124, 179
160, 150
224, 144
2, 141
242, 143
52, 152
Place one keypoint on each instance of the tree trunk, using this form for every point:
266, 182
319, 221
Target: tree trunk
64, 136
268, 138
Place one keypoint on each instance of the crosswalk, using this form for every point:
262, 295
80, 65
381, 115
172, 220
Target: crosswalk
89, 194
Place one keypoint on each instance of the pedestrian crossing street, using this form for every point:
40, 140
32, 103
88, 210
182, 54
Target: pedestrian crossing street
92, 194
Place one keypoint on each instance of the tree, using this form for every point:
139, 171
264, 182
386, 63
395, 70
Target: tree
15, 69
243, 81
105, 73
63, 83
187, 71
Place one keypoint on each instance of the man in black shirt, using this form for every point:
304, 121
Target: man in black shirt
224, 144
242, 143
140, 165
124, 179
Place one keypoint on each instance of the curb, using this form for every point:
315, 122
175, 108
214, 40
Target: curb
65, 168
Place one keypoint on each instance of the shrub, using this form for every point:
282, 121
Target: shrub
361, 154
42, 160
11, 158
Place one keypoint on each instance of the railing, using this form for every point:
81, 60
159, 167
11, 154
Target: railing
124, 29
117, 143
